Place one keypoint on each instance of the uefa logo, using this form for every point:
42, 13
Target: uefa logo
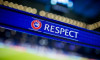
36, 24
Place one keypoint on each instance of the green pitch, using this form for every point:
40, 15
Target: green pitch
10, 54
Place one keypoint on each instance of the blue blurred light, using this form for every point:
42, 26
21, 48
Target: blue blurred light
53, 2
64, 2
70, 4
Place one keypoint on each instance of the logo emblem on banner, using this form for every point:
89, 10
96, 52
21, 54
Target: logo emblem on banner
36, 24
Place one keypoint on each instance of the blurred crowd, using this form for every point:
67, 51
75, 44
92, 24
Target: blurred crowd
15, 38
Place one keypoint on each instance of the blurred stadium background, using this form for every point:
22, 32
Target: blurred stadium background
16, 45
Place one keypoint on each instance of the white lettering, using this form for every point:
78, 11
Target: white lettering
66, 31
61, 30
76, 34
46, 27
70, 33
51, 29
57, 30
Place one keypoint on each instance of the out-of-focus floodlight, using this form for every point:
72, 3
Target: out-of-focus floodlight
1, 2
6, 3
20, 7
11, 4
34, 10
15, 6
42, 13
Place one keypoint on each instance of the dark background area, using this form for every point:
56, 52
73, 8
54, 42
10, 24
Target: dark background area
87, 11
